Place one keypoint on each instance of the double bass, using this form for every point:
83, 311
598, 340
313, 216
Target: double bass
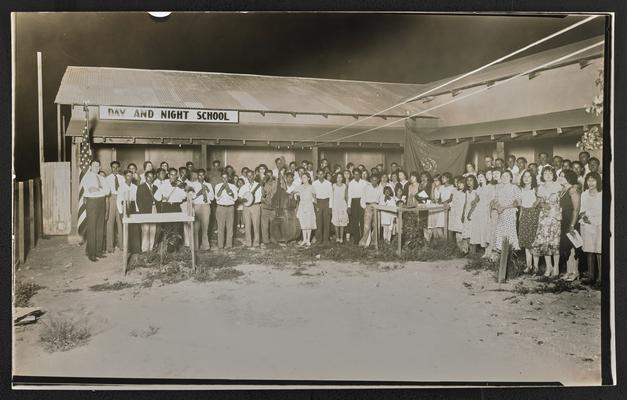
285, 226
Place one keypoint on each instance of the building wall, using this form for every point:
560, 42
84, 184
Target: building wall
530, 149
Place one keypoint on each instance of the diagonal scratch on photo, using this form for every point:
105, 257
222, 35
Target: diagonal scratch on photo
310, 197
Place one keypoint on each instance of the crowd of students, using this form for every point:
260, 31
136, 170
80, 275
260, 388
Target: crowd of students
535, 206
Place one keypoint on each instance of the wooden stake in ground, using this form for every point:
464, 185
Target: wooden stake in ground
505, 253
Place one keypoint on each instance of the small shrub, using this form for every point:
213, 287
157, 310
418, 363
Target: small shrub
62, 334
144, 333
24, 292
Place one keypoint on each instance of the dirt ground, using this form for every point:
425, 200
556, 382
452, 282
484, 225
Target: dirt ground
412, 321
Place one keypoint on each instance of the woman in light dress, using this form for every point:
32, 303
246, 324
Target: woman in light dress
506, 202
456, 213
490, 193
591, 214
547, 241
339, 213
528, 220
436, 220
306, 214
470, 199
387, 218
481, 213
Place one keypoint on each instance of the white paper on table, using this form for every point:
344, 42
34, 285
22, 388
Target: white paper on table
423, 194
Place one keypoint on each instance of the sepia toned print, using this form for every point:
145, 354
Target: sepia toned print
403, 202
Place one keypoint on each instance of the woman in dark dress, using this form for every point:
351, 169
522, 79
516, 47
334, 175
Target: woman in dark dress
569, 201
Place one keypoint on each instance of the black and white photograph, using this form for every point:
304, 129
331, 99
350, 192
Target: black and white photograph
312, 198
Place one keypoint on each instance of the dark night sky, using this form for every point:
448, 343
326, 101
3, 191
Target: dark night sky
375, 47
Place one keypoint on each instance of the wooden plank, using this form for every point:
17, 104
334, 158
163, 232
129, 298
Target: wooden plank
20, 222
64, 142
399, 234
57, 199
203, 156
38, 209
40, 108
505, 250
125, 247
31, 214
157, 218
59, 134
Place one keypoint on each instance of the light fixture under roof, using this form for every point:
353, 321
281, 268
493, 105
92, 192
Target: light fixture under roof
160, 14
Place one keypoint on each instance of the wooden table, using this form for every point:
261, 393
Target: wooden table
399, 218
186, 217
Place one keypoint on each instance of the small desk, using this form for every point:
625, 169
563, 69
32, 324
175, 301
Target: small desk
399, 214
186, 217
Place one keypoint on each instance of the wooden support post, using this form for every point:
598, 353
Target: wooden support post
74, 237
31, 213
376, 228
314, 158
505, 252
125, 247
38, 209
500, 150
203, 156
64, 141
20, 222
399, 234
41, 113
59, 134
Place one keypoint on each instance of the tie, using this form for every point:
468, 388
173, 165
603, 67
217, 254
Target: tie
204, 193
117, 184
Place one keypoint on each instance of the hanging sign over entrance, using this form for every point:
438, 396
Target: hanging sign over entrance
168, 114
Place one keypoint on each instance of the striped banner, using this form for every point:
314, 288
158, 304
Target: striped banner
86, 156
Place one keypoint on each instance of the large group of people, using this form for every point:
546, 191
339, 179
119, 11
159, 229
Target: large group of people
544, 207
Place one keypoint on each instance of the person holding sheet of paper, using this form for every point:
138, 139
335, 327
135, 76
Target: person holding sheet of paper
590, 220
569, 203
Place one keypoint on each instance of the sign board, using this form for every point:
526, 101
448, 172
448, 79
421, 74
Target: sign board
168, 114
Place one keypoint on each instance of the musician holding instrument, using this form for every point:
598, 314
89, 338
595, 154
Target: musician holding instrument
226, 194
251, 194
267, 206
202, 196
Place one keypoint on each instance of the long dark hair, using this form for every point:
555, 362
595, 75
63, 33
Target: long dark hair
534, 181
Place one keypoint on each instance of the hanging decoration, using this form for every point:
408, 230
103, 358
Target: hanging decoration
592, 138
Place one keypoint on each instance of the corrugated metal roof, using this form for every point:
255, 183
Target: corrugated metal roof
156, 88
562, 119
520, 65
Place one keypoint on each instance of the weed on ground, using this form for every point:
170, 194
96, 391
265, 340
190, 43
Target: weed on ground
24, 291
62, 334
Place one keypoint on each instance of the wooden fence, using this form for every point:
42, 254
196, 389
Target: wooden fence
27, 218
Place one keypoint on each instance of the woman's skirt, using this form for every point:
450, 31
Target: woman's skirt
528, 226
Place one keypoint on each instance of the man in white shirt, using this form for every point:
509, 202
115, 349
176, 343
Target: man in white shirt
557, 164
127, 193
170, 197
543, 160
584, 158
95, 192
252, 213
114, 223
279, 164
355, 212
202, 196
226, 194
372, 194
323, 190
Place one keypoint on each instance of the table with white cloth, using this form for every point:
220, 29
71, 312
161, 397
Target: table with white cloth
186, 216
398, 211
